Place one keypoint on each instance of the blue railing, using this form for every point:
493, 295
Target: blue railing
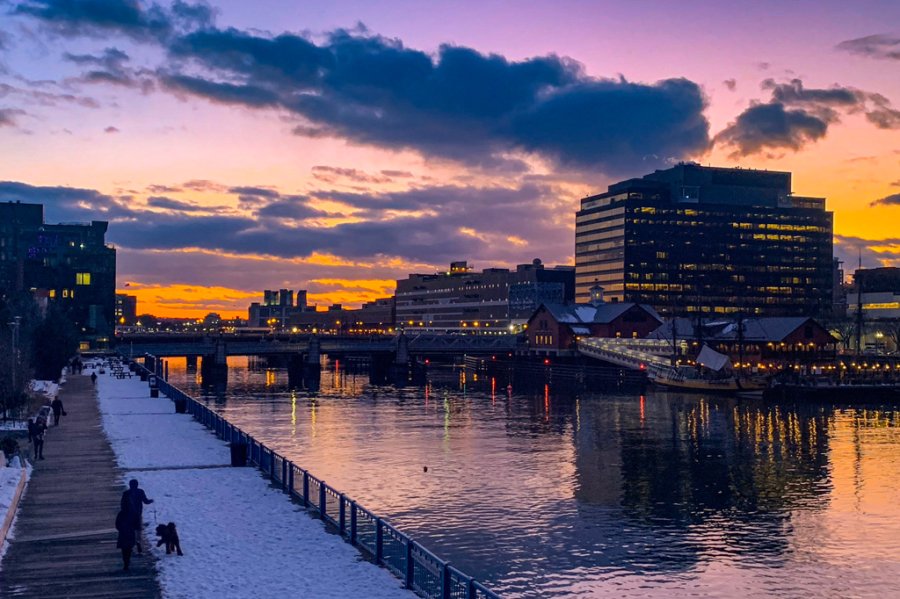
421, 571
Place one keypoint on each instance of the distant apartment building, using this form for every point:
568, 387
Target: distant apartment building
376, 317
69, 264
462, 300
707, 240
276, 309
126, 309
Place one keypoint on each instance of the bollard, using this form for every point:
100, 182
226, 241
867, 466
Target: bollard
379, 542
410, 565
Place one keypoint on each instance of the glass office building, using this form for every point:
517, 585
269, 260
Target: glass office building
694, 239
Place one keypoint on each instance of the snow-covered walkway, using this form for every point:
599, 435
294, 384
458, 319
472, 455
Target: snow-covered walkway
241, 536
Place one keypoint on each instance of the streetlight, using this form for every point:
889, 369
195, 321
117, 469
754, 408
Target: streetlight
15, 349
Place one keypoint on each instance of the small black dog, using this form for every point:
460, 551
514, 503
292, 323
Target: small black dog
168, 535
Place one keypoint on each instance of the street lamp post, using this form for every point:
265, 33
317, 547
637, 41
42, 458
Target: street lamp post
15, 349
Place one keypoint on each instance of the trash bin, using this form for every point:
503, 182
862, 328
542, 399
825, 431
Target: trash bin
239, 454
180, 405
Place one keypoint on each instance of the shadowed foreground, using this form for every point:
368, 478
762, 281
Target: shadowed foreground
64, 542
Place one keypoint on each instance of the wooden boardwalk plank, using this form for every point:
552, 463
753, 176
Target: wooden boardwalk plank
64, 544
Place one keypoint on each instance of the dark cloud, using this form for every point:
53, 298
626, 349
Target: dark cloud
772, 126
883, 115
131, 18
896, 183
731, 84
163, 189
881, 46
397, 174
45, 98
461, 104
891, 200
110, 67
331, 174
111, 129
796, 116
433, 225
793, 93
9, 116
261, 192
175, 205
850, 249
65, 204
204, 185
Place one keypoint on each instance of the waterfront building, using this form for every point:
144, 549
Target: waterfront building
126, 309
880, 303
463, 300
555, 327
762, 342
70, 264
707, 240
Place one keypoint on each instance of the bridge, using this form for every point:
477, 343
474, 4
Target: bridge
170, 345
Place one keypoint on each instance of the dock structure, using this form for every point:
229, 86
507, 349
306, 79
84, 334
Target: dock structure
64, 542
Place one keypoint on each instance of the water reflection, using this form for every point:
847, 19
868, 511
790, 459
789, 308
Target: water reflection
546, 493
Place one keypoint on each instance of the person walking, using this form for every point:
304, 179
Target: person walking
36, 430
58, 410
94, 377
126, 539
132, 504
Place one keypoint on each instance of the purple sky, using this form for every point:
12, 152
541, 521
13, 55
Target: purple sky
336, 147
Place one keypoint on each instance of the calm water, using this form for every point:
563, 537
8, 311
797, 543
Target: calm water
546, 494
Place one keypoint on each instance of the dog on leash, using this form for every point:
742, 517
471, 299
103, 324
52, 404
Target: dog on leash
168, 535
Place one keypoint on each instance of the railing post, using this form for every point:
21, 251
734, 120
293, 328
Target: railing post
323, 497
284, 473
470, 589
445, 580
291, 478
342, 515
379, 541
306, 488
272, 463
410, 565
352, 522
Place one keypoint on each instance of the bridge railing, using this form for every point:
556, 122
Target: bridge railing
421, 570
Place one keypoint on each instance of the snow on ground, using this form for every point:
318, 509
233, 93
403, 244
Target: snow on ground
9, 480
241, 536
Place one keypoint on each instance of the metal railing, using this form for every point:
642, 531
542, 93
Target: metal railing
420, 569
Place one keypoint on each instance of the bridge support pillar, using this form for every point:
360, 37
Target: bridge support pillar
191, 362
214, 367
400, 368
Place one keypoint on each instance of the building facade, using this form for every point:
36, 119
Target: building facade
462, 300
69, 263
126, 309
694, 239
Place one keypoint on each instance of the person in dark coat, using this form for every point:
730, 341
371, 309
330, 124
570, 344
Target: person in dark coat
126, 538
36, 430
94, 377
133, 501
58, 410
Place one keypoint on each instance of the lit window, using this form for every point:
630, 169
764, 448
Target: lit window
83, 278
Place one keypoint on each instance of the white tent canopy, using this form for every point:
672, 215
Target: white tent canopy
712, 359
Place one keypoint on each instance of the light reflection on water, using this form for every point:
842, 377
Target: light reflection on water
543, 493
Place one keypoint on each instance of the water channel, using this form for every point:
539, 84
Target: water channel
545, 492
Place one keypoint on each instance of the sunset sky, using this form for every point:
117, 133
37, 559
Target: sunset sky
239, 146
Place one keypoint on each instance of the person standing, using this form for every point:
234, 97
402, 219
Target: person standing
94, 377
57, 406
126, 539
133, 501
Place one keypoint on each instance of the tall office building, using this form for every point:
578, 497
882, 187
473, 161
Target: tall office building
70, 263
695, 239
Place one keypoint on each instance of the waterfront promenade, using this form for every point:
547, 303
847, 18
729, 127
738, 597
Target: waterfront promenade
64, 542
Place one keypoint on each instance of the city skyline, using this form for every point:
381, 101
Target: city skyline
340, 148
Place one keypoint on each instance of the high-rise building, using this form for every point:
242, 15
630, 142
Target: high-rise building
694, 239
126, 309
70, 263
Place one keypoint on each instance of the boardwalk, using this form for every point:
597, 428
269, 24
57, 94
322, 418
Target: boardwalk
65, 543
